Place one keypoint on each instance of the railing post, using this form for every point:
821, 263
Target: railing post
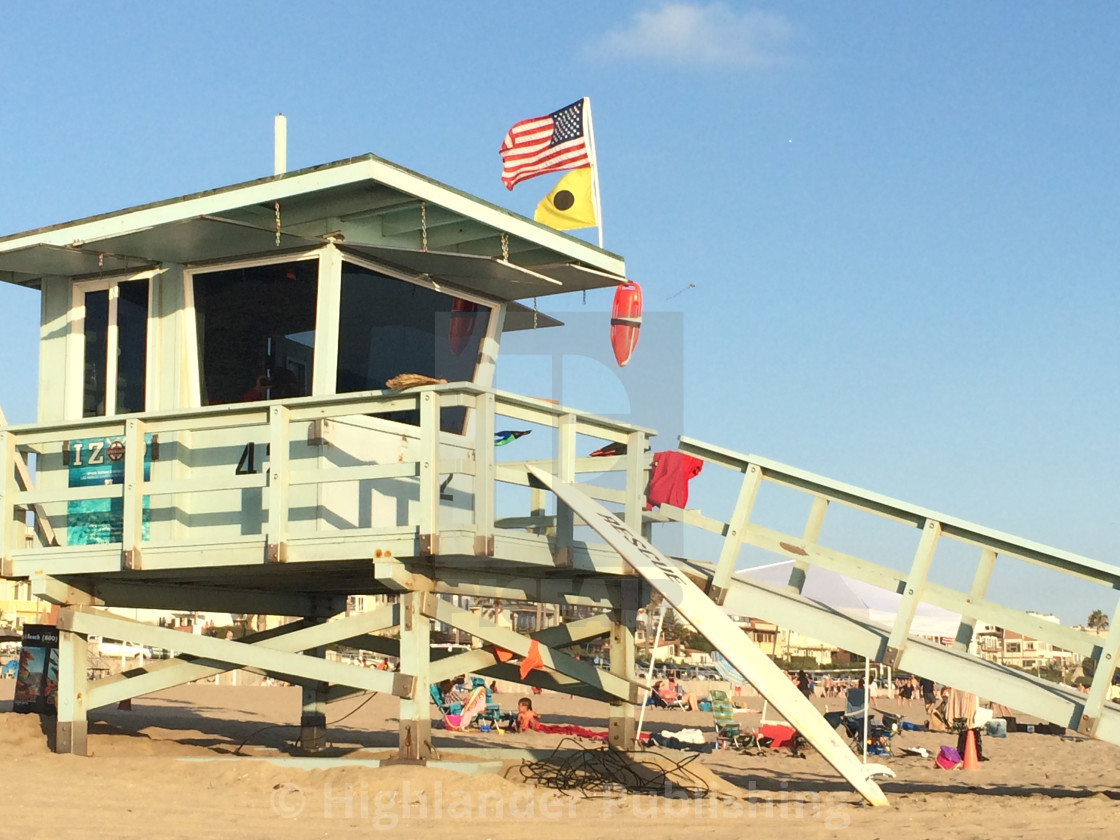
429, 473
485, 475
277, 491
132, 513
566, 472
912, 596
1102, 678
7, 501
976, 593
733, 540
635, 479
811, 534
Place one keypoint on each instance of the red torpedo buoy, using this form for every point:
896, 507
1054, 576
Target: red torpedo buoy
463, 315
626, 321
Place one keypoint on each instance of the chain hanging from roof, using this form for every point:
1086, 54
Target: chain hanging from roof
276, 207
424, 226
505, 247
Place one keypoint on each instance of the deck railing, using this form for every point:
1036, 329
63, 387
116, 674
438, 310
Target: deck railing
278, 448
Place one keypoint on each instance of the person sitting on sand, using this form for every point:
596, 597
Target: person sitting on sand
526, 718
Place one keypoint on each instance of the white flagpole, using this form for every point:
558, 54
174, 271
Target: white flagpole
594, 167
649, 673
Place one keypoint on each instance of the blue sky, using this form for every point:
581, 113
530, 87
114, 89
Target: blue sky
902, 221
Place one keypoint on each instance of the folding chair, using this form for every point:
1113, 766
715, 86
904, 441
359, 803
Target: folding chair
492, 712
444, 708
472, 709
728, 733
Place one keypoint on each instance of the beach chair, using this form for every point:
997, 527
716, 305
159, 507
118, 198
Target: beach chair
444, 708
492, 712
472, 707
728, 733
855, 702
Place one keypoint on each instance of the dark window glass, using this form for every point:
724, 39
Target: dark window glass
132, 345
256, 331
389, 326
96, 337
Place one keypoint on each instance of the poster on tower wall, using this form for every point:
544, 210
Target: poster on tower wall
100, 461
37, 680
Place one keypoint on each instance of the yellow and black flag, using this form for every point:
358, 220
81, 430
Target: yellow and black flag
570, 204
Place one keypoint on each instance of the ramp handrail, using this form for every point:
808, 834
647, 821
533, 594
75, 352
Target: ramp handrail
914, 586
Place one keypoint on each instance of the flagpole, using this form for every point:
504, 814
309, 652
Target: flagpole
594, 167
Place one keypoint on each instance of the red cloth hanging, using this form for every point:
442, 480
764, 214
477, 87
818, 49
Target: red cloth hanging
668, 481
532, 659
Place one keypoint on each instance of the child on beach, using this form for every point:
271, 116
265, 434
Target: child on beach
526, 717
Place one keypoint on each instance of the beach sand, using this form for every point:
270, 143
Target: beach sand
168, 769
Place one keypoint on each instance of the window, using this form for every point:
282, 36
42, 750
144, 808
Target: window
113, 324
389, 326
256, 331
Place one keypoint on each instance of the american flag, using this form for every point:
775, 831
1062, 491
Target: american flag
545, 144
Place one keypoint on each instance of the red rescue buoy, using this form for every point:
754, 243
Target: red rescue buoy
626, 320
463, 314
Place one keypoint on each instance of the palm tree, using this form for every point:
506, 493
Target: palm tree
1098, 620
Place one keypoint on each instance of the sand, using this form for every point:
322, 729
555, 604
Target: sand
168, 769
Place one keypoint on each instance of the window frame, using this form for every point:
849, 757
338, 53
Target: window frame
76, 341
328, 295
194, 357
484, 369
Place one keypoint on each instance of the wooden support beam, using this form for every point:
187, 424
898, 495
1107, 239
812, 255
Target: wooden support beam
108, 592
156, 675
547, 680
574, 632
71, 727
621, 730
89, 621
585, 672
415, 724
313, 706
602, 592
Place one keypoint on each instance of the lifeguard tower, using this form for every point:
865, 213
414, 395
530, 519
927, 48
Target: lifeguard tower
217, 431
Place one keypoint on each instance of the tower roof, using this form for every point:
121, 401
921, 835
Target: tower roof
366, 204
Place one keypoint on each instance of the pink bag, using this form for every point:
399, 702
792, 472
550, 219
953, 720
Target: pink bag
948, 758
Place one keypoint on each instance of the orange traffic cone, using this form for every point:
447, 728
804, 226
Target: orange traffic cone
970, 761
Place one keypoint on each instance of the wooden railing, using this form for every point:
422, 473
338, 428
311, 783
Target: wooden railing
166, 459
914, 586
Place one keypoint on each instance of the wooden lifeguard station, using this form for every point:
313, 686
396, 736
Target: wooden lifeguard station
215, 432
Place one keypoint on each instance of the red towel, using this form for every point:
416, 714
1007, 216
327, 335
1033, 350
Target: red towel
668, 481
781, 736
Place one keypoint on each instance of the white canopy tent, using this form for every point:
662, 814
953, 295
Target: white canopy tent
859, 600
